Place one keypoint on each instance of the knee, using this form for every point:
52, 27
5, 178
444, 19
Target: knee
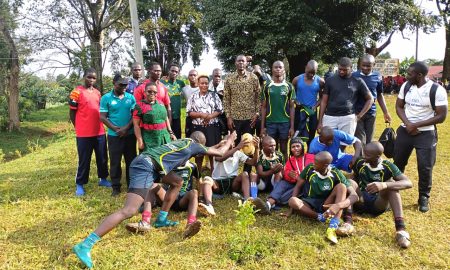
341, 188
294, 202
244, 174
128, 212
193, 194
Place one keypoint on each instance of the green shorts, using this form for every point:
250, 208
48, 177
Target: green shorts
224, 185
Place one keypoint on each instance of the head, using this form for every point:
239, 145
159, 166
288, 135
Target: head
417, 72
241, 62
192, 76
203, 83
322, 161
268, 145
90, 77
136, 70
372, 153
174, 70
345, 67
366, 63
311, 69
155, 71
120, 84
297, 147
150, 91
216, 76
198, 137
326, 135
278, 69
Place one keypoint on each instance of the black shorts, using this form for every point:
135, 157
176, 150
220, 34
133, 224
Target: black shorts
224, 186
176, 204
212, 133
369, 204
315, 203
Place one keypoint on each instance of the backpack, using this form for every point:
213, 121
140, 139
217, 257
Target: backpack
387, 139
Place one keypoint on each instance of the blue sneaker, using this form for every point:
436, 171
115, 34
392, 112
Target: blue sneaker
104, 183
164, 223
84, 254
80, 191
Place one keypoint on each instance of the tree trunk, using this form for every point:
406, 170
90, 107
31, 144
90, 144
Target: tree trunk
12, 90
297, 64
97, 61
446, 70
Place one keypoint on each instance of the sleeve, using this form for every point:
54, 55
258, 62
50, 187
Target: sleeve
441, 97
166, 99
226, 98
363, 89
195, 172
137, 111
242, 157
357, 167
326, 90
304, 173
217, 103
104, 104
344, 137
292, 90
379, 85
198, 149
139, 92
181, 84
314, 147
190, 104
341, 178
264, 91
393, 169
259, 162
401, 92
74, 99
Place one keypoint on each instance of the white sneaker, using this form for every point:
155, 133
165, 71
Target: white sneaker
237, 196
206, 209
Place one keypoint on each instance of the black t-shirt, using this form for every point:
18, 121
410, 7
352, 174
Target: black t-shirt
343, 94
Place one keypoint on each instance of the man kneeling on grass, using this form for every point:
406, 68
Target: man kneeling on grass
323, 187
144, 170
378, 183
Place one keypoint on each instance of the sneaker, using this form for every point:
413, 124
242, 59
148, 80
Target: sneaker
104, 183
261, 206
237, 196
80, 191
138, 227
192, 229
84, 254
423, 204
115, 192
331, 235
206, 209
164, 223
345, 229
403, 239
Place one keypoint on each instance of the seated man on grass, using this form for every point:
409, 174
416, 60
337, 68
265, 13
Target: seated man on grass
187, 200
225, 177
144, 170
330, 140
378, 183
321, 187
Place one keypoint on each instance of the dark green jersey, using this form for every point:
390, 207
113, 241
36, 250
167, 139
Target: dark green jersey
267, 162
365, 175
277, 97
187, 173
174, 91
319, 186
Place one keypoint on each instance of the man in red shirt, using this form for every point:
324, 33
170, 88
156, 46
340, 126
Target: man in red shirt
84, 114
162, 96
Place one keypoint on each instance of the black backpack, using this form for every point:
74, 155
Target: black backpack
387, 139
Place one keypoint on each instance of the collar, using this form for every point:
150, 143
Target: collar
379, 167
327, 175
365, 74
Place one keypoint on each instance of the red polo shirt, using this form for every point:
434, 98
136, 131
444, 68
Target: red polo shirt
162, 96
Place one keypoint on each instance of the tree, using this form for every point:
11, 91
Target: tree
444, 11
300, 30
172, 30
11, 65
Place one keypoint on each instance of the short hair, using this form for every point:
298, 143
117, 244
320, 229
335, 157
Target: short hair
345, 62
202, 76
174, 65
135, 64
117, 77
312, 64
368, 58
420, 67
150, 67
216, 69
147, 85
89, 70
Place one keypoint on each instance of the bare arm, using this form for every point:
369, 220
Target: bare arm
322, 85
369, 101
72, 115
439, 117
220, 151
358, 150
137, 133
169, 129
323, 108
382, 103
169, 112
291, 117
401, 182
297, 187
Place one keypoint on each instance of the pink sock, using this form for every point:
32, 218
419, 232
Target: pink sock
146, 216
191, 219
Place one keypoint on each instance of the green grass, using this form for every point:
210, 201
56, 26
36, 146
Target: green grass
41, 220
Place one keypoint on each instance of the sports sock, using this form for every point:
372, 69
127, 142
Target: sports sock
191, 219
162, 215
399, 223
89, 241
146, 216
334, 223
348, 216
321, 218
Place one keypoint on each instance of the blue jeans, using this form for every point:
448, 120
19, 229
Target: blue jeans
282, 192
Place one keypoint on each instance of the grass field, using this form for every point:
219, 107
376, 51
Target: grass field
41, 219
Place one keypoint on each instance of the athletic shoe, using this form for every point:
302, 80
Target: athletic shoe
331, 235
261, 206
80, 191
237, 196
192, 229
104, 183
403, 239
115, 192
345, 229
84, 254
164, 223
423, 204
138, 227
206, 209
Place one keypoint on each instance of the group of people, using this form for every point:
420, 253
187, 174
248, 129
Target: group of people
255, 120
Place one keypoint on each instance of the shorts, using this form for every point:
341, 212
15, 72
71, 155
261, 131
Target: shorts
142, 173
369, 204
269, 183
224, 185
282, 192
212, 133
315, 203
346, 123
139, 191
278, 130
343, 163
176, 204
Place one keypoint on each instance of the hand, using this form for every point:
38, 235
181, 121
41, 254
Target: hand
230, 123
122, 131
253, 122
291, 132
276, 168
333, 209
140, 144
256, 142
241, 144
232, 137
173, 137
376, 187
263, 132
411, 129
319, 127
293, 174
358, 117
387, 118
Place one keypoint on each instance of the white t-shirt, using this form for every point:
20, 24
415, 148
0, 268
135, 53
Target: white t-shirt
188, 91
229, 167
417, 103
